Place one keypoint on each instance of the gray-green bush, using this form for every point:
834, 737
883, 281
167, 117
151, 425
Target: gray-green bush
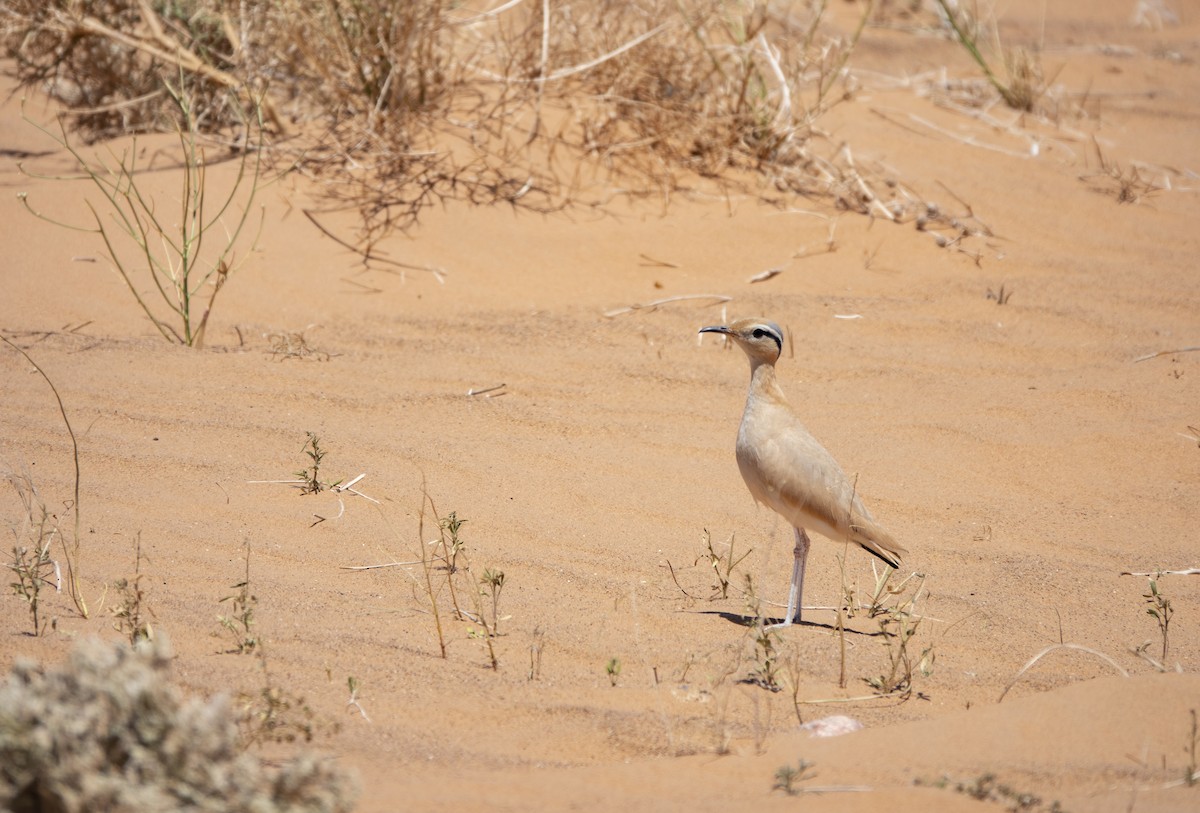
108, 731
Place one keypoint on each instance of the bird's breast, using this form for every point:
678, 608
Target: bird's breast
756, 455
788, 471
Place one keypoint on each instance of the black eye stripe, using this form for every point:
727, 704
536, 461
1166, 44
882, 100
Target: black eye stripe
759, 332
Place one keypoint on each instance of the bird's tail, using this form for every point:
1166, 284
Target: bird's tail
878, 542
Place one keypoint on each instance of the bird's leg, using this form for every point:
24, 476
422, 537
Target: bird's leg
800, 556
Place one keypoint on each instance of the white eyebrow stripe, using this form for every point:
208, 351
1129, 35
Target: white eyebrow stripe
774, 334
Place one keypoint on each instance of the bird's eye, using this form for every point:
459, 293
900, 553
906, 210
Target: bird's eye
759, 333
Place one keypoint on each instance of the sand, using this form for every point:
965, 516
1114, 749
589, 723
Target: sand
1020, 451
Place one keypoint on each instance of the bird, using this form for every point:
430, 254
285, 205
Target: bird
789, 471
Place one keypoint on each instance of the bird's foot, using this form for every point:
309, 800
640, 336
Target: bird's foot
781, 624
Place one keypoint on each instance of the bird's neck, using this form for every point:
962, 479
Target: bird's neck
763, 383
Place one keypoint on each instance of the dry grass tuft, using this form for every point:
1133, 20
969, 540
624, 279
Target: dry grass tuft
406, 103
1023, 83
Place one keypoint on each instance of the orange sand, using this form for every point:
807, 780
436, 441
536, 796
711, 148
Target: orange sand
1018, 452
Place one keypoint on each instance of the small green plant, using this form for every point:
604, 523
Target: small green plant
1025, 84
493, 581
451, 545
310, 477
132, 614
787, 777
352, 683
240, 621
488, 632
766, 658
171, 253
613, 670
721, 564
1159, 608
986, 788
766, 655
452, 550
32, 565
898, 623
274, 715
445, 558
33, 569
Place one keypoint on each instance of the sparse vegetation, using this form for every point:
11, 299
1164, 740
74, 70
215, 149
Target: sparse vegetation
310, 477
787, 777
898, 624
987, 788
32, 569
353, 684
766, 658
1158, 607
240, 621
71, 739
1025, 84
132, 613
1126, 184
722, 564
443, 563
657, 95
272, 714
32, 565
493, 582
35, 508
613, 670
168, 254
450, 545
294, 344
1057, 647
427, 567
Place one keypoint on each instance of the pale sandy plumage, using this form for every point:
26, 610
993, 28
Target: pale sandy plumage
788, 470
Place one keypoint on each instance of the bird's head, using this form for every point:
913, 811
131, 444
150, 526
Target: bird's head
761, 339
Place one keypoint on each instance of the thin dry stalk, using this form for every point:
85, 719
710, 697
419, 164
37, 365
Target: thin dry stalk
427, 565
1053, 647
657, 303
71, 551
133, 614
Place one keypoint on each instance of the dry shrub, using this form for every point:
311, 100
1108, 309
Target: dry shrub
407, 102
109, 732
721, 86
107, 60
661, 90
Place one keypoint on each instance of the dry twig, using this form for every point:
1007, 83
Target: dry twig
1052, 648
716, 298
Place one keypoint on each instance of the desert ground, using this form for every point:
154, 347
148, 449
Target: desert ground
520, 375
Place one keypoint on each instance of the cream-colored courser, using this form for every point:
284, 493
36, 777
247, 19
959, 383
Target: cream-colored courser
788, 470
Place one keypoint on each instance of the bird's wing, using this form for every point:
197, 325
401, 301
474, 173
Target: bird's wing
794, 474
